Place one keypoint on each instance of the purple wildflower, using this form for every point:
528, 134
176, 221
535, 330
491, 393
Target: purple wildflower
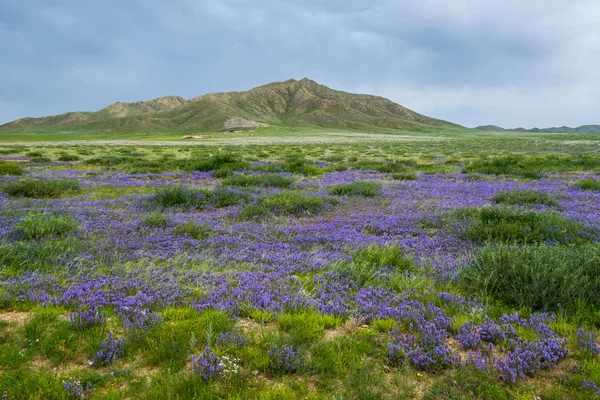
207, 364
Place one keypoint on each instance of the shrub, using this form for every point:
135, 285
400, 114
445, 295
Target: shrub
537, 277
306, 326
155, 220
286, 358
225, 197
293, 203
41, 188
364, 188
585, 184
525, 197
254, 211
34, 154
367, 263
195, 230
507, 224
179, 196
222, 165
266, 180
10, 169
38, 225
404, 176
506, 165
40, 160
69, 157
298, 165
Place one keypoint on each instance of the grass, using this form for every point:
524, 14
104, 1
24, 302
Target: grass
536, 277
513, 225
38, 226
194, 230
293, 203
525, 197
263, 180
362, 188
41, 188
10, 169
589, 184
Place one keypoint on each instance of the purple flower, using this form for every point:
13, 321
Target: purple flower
207, 364
111, 351
286, 358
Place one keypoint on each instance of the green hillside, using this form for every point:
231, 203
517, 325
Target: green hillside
290, 103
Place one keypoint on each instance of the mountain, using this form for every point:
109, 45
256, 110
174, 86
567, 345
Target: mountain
589, 129
289, 103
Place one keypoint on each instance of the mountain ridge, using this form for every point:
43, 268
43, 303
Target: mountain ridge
288, 103
585, 129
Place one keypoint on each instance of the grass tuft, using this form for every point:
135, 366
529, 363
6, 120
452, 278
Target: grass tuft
41, 188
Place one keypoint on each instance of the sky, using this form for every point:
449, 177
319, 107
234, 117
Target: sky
529, 63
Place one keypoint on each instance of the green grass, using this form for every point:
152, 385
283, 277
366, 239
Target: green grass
525, 197
263, 180
293, 203
362, 188
513, 225
39, 225
155, 220
10, 169
194, 230
41, 188
536, 277
589, 184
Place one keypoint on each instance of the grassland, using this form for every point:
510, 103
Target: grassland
291, 263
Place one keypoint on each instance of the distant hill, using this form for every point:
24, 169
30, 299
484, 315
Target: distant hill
590, 129
289, 103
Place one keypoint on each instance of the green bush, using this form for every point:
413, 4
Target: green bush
525, 197
404, 176
225, 197
39, 160
41, 188
506, 165
38, 225
368, 261
195, 230
363, 188
18, 256
537, 277
155, 220
34, 153
10, 169
179, 196
306, 327
222, 165
298, 165
513, 225
69, 157
266, 180
254, 211
585, 184
293, 203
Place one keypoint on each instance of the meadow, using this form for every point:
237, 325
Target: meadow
344, 266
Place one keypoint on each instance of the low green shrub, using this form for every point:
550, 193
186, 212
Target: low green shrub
362, 188
513, 225
39, 225
298, 165
222, 165
41, 188
368, 261
194, 230
524, 197
10, 169
178, 196
155, 220
293, 203
534, 276
265, 180
588, 184
254, 212
33, 255
69, 157
404, 176
306, 327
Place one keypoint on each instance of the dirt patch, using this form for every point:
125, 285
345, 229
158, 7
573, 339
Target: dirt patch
14, 316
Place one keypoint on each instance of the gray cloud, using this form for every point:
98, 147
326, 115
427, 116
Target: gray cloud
514, 63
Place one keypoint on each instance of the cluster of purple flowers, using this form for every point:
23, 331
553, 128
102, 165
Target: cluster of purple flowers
138, 318
74, 390
591, 386
286, 358
427, 351
231, 339
111, 351
86, 318
207, 364
587, 341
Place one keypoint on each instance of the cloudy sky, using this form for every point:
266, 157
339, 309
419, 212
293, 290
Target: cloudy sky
511, 63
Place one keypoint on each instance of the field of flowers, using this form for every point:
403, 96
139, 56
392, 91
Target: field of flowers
321, 271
